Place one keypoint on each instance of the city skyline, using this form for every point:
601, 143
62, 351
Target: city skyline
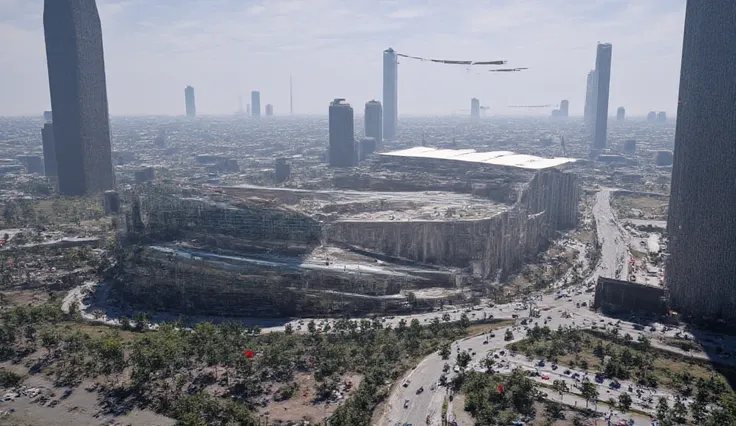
558, 63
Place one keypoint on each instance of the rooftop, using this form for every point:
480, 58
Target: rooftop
496, 158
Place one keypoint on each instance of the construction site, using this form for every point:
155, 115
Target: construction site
407, 230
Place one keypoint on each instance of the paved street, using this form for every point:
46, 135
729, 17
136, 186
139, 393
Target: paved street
613, 263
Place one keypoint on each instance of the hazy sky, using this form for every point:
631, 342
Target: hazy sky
333, 48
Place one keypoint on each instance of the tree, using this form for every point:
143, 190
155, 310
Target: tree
435, 326
464, 321
624, 402
554, 410
508, 336
560, 386
312, 327
411, 298
589, 392
49, 339
289, 329
445, 351
446, 317
663, 407
679, 411
463, 359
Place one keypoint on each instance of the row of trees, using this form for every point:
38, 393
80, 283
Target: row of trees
170, 369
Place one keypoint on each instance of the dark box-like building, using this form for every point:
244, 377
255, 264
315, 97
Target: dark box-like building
76, 67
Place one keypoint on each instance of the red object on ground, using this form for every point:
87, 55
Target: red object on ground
500, 388
249, 354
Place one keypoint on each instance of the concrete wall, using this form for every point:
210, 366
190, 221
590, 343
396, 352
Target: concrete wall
548, 203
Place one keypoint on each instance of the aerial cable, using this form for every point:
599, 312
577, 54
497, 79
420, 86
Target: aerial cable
452, 62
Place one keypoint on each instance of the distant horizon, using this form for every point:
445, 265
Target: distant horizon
612, 118
226, 49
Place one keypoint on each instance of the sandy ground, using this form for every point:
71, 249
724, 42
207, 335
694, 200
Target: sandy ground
79, 408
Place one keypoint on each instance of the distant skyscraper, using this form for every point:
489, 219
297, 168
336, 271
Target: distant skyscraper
564, 108
390, 93
189, 101
661, 116
374, 121
700, 274
49, 149
269, 110
620, 114
652, 116
76, 69
342, 151
603, 74
255, 103
291, 97
590, 89
474, 108
247, 109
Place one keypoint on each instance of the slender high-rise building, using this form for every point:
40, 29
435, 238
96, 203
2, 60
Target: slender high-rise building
49, 149
620, 114
255, 103
291, 97
341, 151
564, 108
590, 88
374, 122
700, 273
189, 101
474, 108
603, 74
78, 88
269, 110
390, 93
247, 109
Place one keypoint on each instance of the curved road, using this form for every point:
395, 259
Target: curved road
613, 263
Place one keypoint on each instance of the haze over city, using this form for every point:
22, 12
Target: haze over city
226, 49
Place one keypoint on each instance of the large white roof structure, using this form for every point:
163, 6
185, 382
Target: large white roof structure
496, 158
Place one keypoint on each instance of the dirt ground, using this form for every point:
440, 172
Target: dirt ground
301, 405
640, 207
79, 408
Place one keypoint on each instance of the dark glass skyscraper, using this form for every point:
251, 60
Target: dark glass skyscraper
189, 101
49, 149
620, 114
590, 87
701, 269
474, 108
390, 93
342, 152
76, 66
603, 84
255, 103
374, 121
564, 108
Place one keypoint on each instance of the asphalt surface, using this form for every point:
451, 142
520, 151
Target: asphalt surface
613, 263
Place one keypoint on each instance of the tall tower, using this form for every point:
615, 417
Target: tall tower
603, 74
590, 88
374, 121
564, 108
474, 108
291, 97
701, 269
621, 114
189, 101
342, 152
49, 149
269, 110
390, 93
255, 103
76, 68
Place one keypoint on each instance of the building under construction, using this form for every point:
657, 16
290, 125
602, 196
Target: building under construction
421, 222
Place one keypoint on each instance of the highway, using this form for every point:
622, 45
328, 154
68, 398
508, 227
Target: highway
613, 263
